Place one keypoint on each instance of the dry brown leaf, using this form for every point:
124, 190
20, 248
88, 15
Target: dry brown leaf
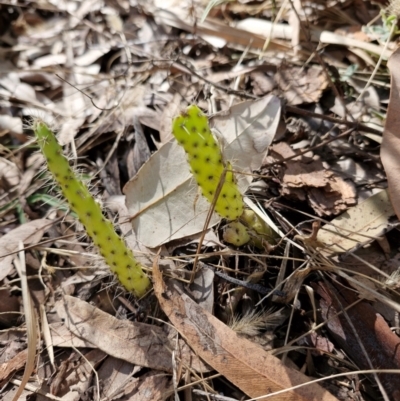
13, 365
390, 148
62, 337
293, 284
115, 375
9, 308
74, 106
13, 88
33, 165
10, 125
336, 196
221, 76
92, 55
138, 343
359, 225
321, 344
380, 343
151, 386
202, 289
301, 85
307, 179
28, 233
261, 83
9, 174
171, 110
245, 364
76, 372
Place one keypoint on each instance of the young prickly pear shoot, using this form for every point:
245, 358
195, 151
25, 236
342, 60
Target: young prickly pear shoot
236, 233
117, 255
192, 131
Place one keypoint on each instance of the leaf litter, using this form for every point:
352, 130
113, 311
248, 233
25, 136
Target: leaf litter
302, 129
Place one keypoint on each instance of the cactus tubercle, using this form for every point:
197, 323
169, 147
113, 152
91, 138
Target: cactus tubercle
117, 255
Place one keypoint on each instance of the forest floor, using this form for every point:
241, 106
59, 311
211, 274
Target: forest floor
300, 96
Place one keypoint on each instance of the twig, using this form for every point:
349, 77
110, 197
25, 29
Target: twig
352, 124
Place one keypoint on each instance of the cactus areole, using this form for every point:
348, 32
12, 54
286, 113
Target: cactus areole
117, 255
193, 133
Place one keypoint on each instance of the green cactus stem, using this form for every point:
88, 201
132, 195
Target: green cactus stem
117, 255
192, 131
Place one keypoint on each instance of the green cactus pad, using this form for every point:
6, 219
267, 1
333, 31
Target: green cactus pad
119, 258
260, 232
253, 221
192, 131
236, 234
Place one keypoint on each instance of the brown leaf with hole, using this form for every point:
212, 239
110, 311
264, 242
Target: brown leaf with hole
390, 149
242, 362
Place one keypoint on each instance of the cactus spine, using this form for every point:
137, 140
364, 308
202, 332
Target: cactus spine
117, 255
193, 133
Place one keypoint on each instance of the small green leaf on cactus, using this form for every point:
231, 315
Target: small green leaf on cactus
117, 255
192, 131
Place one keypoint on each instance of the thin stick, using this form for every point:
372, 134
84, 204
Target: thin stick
207, 222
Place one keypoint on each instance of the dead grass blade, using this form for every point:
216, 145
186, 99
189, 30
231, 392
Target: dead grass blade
30, 320
46, 334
